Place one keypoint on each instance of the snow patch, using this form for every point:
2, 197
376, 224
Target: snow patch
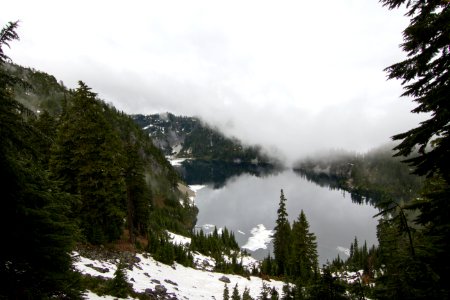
175, 161
183, 282
241, 232
260, 238
196, 187
344, 250
177, 239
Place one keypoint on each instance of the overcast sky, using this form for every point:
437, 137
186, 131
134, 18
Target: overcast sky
300, 76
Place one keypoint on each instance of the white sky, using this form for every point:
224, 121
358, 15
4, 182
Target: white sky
296, 75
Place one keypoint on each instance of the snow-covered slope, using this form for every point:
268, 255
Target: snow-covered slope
181, 282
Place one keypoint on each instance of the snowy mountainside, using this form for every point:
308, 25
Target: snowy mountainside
181, 136
176, 281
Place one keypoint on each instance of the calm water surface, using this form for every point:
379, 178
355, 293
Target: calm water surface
245, 201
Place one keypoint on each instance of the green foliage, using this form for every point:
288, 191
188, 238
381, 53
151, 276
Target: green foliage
119, 286
327, 287
303, 256
198, 139
373, 177
235, 295
226, 293
246, 294
417, 263
86, 158
35, 262
295, 249
281, 237
166, 252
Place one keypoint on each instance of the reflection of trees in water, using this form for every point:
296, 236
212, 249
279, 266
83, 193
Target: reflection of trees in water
218, 172
335, 182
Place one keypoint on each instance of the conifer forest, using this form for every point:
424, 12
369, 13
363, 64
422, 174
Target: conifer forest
82, 178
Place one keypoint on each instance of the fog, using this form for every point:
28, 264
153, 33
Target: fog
293, 77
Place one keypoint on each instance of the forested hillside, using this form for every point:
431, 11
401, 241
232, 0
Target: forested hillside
75, 171
374, 177
189, 137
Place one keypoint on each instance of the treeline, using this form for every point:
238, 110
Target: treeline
373, 177
74, 170
197, 139
295, 254
222, 247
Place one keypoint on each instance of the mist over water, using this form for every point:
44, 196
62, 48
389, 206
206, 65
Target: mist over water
245, 201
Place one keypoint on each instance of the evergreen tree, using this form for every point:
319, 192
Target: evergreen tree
246, 294
235, 295
304, 256
226, 293
34, 261
265, 292
274, 294
281, 237
425, 75
87, 158
287, 292
119, 286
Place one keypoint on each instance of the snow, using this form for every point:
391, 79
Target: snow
196, 187
241, 232
92, 296
147, 127
183, 282
260, 238
176, 149
178, 239
175, 161
344, 250
349, 277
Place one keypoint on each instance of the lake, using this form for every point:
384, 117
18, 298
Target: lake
247, 204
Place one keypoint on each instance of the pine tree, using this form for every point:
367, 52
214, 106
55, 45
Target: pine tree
281, 237
119, 286
265, 292
87, 158
226, 293
304, 251
274, 294
34, 261
425, 75
235, 295
246, 294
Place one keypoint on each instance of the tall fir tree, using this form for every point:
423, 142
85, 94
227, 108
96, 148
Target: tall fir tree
88, 159
282, 237
425, 77
304, 256
35, 261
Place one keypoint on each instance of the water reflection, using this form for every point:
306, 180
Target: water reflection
218, 172
244, 201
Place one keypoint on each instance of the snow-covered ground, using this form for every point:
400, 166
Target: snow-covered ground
184, 283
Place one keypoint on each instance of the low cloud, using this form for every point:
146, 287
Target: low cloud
293, 77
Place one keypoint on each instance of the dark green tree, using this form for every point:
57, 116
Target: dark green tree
304, 258
87, 158
235, 295
246, 294
425, 77
281, 237
35, 261
226, 292
119, 286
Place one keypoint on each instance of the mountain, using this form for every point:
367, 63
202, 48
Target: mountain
376, 176
181, 136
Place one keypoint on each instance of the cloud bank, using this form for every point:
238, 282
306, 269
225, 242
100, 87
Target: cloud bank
294, 77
